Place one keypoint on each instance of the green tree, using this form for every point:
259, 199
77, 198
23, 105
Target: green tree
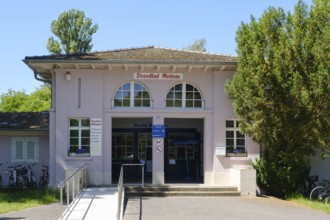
39, 100
12, 101
198, 45
281, 90
74, 32
19, 101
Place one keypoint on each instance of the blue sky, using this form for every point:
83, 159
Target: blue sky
25, 27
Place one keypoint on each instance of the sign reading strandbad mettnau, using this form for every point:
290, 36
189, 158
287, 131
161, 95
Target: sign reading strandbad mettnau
159, 76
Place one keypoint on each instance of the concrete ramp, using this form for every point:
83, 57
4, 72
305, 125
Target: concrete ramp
94, 203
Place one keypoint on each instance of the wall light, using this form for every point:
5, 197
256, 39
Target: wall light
68, 76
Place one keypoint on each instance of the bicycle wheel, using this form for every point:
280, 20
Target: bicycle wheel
318, 193
11, 183
34, 184
42, 182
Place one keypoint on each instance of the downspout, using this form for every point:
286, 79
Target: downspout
38, 78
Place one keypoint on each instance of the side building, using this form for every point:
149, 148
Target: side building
163, 107
24, 139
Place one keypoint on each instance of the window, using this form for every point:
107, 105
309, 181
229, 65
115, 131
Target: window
25, 150
79, 137
235, 140
132, 95
184, 96
122, 146
145, 146
181, 146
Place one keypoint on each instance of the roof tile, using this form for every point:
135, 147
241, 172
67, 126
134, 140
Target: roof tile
24, 121
150, 53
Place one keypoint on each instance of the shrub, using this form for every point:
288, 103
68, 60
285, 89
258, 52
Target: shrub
281, 175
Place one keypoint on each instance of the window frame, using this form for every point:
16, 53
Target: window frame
25, 153
181, 151
236, 135
183, 97
76, 150
126, 151
132, 99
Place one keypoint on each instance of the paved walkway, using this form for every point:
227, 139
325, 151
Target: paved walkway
94, 203
218, 208
97, 203
101, 203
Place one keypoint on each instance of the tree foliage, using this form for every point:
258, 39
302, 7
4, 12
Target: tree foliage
281, 88
198, 45
74, 32
19, 101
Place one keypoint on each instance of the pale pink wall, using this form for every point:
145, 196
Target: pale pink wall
97, 90
320, 167
223, 111
91, 105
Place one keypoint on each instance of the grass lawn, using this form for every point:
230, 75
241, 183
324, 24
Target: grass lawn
311, 204
14, 200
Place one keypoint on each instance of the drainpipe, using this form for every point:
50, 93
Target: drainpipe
39, 79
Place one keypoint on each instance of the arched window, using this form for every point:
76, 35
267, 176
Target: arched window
184, 96
132, 94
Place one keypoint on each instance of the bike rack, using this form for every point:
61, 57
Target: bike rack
121, 194
76, 182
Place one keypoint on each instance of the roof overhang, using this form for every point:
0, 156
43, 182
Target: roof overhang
43, 68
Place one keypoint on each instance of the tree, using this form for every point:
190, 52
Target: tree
281, 90
12, 101
19, 101
74, 32
198, 45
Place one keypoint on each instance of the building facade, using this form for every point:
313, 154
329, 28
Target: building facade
162, 107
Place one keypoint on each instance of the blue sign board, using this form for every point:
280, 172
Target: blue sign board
158, 131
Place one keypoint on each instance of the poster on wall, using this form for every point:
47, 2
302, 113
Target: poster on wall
96, 136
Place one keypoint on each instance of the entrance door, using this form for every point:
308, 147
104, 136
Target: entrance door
183, 157
132, 146
145, 154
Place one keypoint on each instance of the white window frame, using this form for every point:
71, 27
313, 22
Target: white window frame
24, 157
184, 98
80, 128
235, 129
132, 96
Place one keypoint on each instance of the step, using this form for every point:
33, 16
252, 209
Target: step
163, 191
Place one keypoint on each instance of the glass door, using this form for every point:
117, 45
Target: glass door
145, 154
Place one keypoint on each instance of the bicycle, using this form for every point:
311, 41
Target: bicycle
310, 184
321, 192
13, 183
21, 177
31, 180
44, 179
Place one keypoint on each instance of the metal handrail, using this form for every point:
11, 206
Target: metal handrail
81, 175
121, 188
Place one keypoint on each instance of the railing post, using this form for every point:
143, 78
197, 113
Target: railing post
82, 178
61, 201
78, 184
73, 188
67, 193
142, 175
